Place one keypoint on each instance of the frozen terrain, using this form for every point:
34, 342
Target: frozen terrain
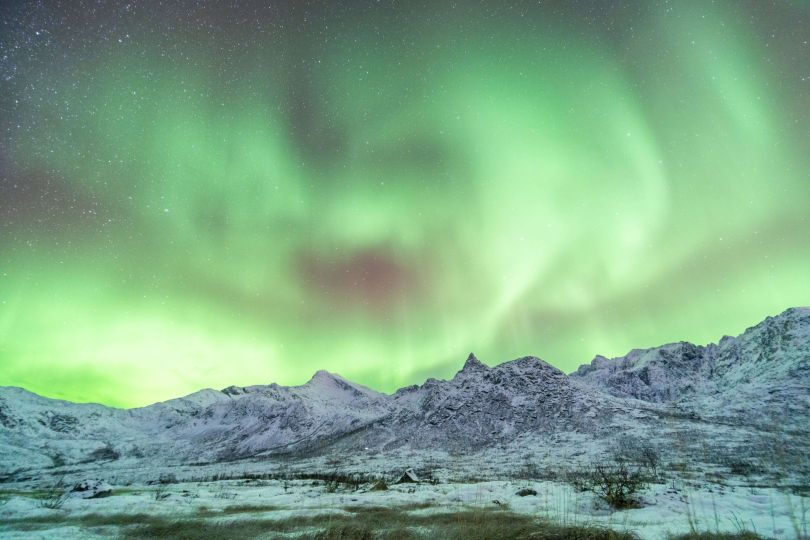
719, 433
666, 509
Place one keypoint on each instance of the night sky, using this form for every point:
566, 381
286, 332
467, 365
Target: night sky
200, 194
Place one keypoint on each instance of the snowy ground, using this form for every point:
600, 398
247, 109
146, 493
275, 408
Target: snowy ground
672, 507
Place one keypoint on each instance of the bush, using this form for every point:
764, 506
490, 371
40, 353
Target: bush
581, 481
167, 478
741, 467
161, 493
381, 485
336, 480
429, 477
55, 496
639, 451
650, 459
618, 485
530, 471
220, 493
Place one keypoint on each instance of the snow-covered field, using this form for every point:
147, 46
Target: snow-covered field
668, 507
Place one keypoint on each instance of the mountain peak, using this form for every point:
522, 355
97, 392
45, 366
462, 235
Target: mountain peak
473, 364
328, 383
324, 376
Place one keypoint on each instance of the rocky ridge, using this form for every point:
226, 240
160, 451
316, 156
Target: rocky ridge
744, 382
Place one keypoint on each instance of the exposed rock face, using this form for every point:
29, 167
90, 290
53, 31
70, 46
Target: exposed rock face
746, 381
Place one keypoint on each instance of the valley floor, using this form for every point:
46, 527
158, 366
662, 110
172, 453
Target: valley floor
324, 509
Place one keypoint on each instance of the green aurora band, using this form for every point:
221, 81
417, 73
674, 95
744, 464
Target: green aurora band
382, 202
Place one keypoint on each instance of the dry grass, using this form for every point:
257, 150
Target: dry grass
249, 508
384, 524
377, 523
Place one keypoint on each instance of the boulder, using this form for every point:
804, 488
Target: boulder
91, 489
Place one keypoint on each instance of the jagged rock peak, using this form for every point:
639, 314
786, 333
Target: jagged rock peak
473, 364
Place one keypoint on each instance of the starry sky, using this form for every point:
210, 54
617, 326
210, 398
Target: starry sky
198, 194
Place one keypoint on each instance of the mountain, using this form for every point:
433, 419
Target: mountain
481, 406
209, 424
759, 376
260, 419
752, 390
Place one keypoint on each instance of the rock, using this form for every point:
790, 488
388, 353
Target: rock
91, 489
525, 492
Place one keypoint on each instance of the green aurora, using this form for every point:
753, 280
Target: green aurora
199, 197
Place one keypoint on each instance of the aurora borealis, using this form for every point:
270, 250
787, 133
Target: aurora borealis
200, 194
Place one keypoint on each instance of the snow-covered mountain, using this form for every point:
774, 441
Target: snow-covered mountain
739, 386
481, 406
207, 425
757, 377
